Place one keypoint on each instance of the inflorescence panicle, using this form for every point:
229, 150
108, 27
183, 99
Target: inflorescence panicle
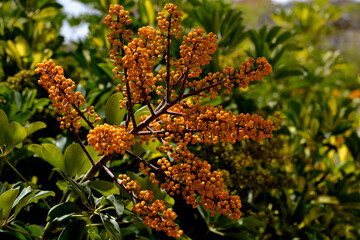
66, 102
179, 119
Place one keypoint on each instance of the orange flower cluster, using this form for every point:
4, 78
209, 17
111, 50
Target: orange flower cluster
158, 217
65, 100
179, 119
139, 59
155, 214
196, 50
193, 177
209, 124
109, 139
170, 24
230, 76
138, 56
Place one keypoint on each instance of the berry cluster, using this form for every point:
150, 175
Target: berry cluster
193, 178
179, 119
156, 215
196, 50
109, 139
169, 23
65, 101
118, 31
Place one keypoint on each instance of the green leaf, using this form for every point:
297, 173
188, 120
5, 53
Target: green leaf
152, 145
41, 102
21, 117
4, 122
353, 144
34, 196
19, 226
15, 134
113, 114
106, 188
34, 127
62, 212
74, 231
29, 99
252, 224
80, 190
49, 153
6, 201
12, 51
18, 100
288, 72
46, 13
150, 11
34, 229
76, 161
41, 195
314, 126
94, 236
62, 185
272, 33
144, 110
24, 192
23, 201
116, 201
282, 38
111, 226
107, 68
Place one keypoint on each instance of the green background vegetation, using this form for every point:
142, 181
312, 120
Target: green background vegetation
302, 184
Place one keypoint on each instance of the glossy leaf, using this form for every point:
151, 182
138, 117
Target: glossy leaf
4, 122
116, 201
76, 161
106, 188
49, 153
111, 226
33, 127
62, 212
113, 114
15, 134
6, 201
141, 112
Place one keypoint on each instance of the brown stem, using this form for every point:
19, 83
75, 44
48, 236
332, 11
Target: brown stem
84, 148
97, 167
174, 113
117, 181
153, 168
82, 115
149, 106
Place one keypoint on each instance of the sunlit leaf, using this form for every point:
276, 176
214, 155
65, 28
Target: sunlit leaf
106, 188
49, 153
6, 201
76, 160
33, 127
113, 114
